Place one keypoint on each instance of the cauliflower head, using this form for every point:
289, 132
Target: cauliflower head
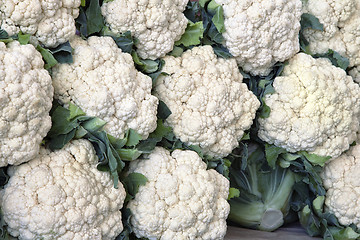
157, 24
340, 179
62, 195
104, 83
181, 200
259, 33
52, 22
26, 96
211, 106
315, 108
341, 21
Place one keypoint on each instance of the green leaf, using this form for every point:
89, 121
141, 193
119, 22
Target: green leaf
315, 159
23, 38
193, 33
176, 52
335, 58
344, 234
318, 205
133, 138
74, 112
83, 3
233, 192
124, 41
132, 183
95, 21
218, 15
163, 112
128, 154
49, 59
3, 34
160, 131
203, 2
310, 21
94, 124
272, 153
63, 53
264, 111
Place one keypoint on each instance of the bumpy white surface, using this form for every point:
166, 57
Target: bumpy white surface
104, 83
62, 195
157, 24
341, 21
210, 105
181, 200
341, 180
315, 108
260, 33
51, 21
25, 101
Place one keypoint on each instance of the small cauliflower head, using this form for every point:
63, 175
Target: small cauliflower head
315, 108
62, 195
157, 24
259, 33
104, 83
211, 106
26, 96
341, 21
181, 200
341, 180
52, 22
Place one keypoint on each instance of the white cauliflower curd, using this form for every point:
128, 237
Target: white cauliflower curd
103, 82
157, 24
315, 108
62, 195
181, 200
52, 22
259, 33
211, 106
26, 96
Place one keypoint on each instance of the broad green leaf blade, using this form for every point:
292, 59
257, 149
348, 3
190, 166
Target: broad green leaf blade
95, 21
49, 59
23, 38
163, 112
193, 33
203, 2
176, 52
265, 111
233, 192
315, 159
60, 141
133, 182
63, 53
272, 153
94, 124
3, 34
310, 21
74, 112
129, 154
218, 15
133, 138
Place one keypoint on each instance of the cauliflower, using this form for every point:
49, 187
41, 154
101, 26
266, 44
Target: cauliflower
51, 21
258, 33
315, 108
181, 200
157, 24
340, 179
25, 101
62, 195
104, 83
210, 105
341, 21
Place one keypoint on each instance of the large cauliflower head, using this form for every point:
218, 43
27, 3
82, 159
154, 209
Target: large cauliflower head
260, 33
104, 83
341, 21
315, 108
157, 24
210, 105
181, 200
52, 22
62, 195
340, 179
26, 96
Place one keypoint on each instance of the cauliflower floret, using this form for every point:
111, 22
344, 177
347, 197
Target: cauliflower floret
210, 105
340, 177
181, 200
260, 33
62, 195
104, 83
315, 108
26, 96
341, 21
157, 24
51, 21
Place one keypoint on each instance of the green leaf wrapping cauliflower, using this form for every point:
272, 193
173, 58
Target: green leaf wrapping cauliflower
181, 200
104, 83
62, 195
341, 21
51, 22
157, 24
26, 96
211, 106
315, 108
259, 33
341, 180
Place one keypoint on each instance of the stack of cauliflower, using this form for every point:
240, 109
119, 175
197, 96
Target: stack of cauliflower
315, 107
